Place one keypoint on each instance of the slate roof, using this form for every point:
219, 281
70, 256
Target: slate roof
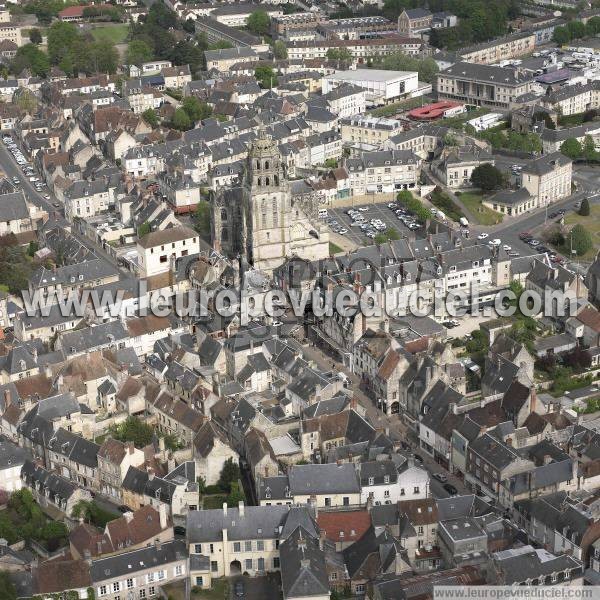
323, 479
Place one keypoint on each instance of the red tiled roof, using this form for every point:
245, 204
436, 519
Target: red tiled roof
345, 526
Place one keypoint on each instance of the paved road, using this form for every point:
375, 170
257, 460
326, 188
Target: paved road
12, 169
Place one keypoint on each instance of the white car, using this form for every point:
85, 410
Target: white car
482, 236
363, 208
506, 247
495, 242
343, 231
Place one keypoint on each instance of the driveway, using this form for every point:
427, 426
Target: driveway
256, 588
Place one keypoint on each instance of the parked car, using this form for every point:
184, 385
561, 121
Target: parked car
483, 236
450, 489
440, 477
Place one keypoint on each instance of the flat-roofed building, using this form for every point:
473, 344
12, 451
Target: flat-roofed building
380, 85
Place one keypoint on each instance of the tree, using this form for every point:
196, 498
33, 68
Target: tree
580, 240
266, 77
35, 36
103, 57
31, 57
576, 29
427, 68
487, 177
592, 27
280, 50
202, 218
196, 110
578, 359
584, 209
181, 120
7, 589
259, 22
235, 496
144, 229
342, 54
331, 163
133, 430
138, 52
27, 101
230, 473
561, 35
61, 37
150, 117
572, 148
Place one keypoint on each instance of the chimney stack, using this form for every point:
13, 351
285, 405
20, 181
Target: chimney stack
150, 473
7, 398
225, 508
241, 508
130, 447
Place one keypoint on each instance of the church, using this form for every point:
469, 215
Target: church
261, 220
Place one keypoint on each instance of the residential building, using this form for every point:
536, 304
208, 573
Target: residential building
548, 178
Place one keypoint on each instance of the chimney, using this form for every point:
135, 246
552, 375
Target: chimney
162, 514
7, 398
533, 399
353, 403
128, 516
241, 508
99, 547
130, 447
509, 442
150, 471
225, 508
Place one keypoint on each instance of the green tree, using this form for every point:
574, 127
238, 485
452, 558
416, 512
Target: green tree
181, 120
235, 496
589, 149
202, 218
35, 36
61, 37
27, 101
259, 22
133, 430
103, 57
592, 27
576, 29
487, 177
31, 57
196, 110
580, 240
342, 54
561, 35
230, 473
280, 50
572, 148
427, 68
584, 209
138, 52
144, 229
7, 589
266, 77
331, 163
150, 116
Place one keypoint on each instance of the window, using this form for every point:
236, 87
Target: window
248, 564
386, 494
214, 566
360, 588
327, 501
116, 586
333, 576
248, 546
371, 480
420, 530
199, 580
416, 489
237, 547
212, 548
178, 570
151, 591
346, 501
129, 584
276, 563
261, 564
102, 590
260, 545
142, 593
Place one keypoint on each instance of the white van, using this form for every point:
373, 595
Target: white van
322, 213
441, 216
463, 221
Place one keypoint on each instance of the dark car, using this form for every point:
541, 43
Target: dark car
553, 215
179, 530
238, 589
418, 458
450, 489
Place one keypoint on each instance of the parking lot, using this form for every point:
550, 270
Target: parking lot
26, 168
374, 211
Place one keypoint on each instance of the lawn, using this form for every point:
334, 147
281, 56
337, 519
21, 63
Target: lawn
591, 223
334, 248
215, 501
116, 33
219, 591
482, 214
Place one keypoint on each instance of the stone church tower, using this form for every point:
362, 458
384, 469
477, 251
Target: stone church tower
261, 220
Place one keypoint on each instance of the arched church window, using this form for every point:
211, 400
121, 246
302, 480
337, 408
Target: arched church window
224, 235
223, 214
267, 181
266, 164
276, 179
259, 181
258, 164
